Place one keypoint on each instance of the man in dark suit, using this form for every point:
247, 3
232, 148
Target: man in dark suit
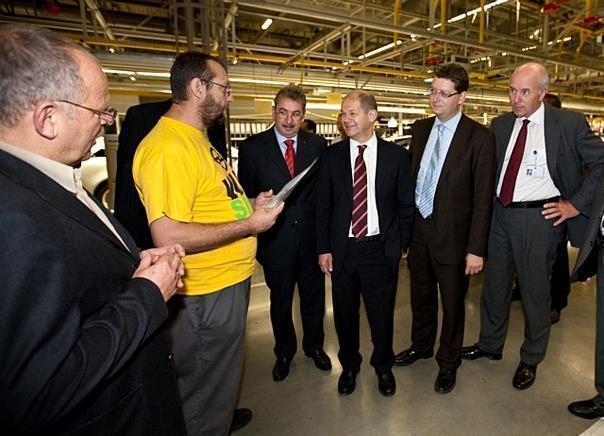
541, 154
83, 345
288, 251
453, 163
594, 238
364, 218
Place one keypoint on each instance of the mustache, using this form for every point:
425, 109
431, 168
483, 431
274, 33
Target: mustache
288, 125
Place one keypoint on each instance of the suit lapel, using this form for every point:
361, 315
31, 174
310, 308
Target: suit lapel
304, 154
419, 145
503, 135
345, 168
457, 147
552, 140
275, 154
380, 166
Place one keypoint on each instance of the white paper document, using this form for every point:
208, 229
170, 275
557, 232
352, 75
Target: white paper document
289, 187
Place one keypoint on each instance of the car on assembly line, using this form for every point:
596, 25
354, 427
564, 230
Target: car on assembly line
94, 173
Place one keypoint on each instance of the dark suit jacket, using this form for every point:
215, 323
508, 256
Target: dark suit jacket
570, 146
394, 198
128, 208
591, 232
464, 194
262, 167
83, 346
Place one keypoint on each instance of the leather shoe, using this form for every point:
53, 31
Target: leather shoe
474, 352
587, 409
321, 360
241, 417
347, 382
445, 381
281, 368
386, 383
525, 376
554, 316
407, 357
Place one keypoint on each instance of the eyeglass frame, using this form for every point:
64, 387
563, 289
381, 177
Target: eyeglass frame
110, 112
284, 113
440, 94
228, 90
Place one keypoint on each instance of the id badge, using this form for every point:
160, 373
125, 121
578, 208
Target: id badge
535, 171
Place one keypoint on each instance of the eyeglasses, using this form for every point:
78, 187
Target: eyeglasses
438, 93
108, 115
284, 113
227, 88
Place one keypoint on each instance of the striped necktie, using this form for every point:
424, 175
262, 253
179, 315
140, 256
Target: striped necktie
425, 205
359, 196
290, 156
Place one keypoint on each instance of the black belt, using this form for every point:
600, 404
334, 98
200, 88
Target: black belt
371, 238
531, 204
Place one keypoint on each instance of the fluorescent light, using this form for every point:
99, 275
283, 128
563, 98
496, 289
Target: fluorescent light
267, 23
380, 49
392, 123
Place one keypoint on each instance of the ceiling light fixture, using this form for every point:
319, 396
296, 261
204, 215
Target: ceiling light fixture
267, 23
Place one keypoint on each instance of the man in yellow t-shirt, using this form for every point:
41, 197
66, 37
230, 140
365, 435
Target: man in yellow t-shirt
191, 195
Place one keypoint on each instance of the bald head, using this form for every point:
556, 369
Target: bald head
528, 86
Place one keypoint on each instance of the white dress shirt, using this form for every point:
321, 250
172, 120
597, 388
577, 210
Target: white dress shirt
370, 157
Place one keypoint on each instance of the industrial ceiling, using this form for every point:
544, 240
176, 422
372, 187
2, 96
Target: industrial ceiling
332, 46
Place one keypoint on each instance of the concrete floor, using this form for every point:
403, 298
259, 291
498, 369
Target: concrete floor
483, 402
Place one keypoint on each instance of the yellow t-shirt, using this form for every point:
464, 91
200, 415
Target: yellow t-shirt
180, 175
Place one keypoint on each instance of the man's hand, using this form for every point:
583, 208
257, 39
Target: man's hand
262, 199
474, 264
562, 209
326, 263
166, 249
264, 218
166, 272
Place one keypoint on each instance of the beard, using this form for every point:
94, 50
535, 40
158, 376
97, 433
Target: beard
210, 111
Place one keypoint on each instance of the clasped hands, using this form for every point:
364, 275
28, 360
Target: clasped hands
164, 267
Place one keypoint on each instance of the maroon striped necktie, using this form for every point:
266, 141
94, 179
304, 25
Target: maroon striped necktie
290, 156
359, 196
506, 195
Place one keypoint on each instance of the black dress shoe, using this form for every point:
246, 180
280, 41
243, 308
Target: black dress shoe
445, 381
407, 357
525, 376
321, 360
554, 316
587, 409
474, 352
386, 383
241, 417
347, 382
281, 368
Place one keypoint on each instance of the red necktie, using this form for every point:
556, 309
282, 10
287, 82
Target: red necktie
359, 196
506, 194
290, 155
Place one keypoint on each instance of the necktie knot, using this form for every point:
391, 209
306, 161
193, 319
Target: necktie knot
289, 143
362, 148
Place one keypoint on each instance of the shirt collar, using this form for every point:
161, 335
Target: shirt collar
450, 124
281, 139
370, 143
66, 176
536, 117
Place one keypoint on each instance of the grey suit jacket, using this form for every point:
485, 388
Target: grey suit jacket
571, 147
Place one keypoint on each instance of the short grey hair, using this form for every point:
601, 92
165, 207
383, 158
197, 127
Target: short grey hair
37, 65
543, 76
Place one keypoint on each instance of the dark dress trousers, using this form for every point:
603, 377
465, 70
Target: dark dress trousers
459, 224
593, 243
287, 251
83, 346
368, 268
522, 241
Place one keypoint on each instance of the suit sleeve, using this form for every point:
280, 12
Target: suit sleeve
484, 166
405, 200
591, 149
323, 206
246, 170
53, 357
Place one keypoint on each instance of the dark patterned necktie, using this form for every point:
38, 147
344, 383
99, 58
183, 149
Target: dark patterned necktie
359, 196
290, 156
506, 195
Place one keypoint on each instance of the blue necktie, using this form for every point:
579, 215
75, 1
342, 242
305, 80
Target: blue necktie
426, 198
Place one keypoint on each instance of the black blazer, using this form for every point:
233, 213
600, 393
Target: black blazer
463, 198
262, 167
394, 198
570, 146
83, 346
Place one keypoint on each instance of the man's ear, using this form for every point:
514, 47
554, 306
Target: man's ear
373, 115
45, 117
197, 88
